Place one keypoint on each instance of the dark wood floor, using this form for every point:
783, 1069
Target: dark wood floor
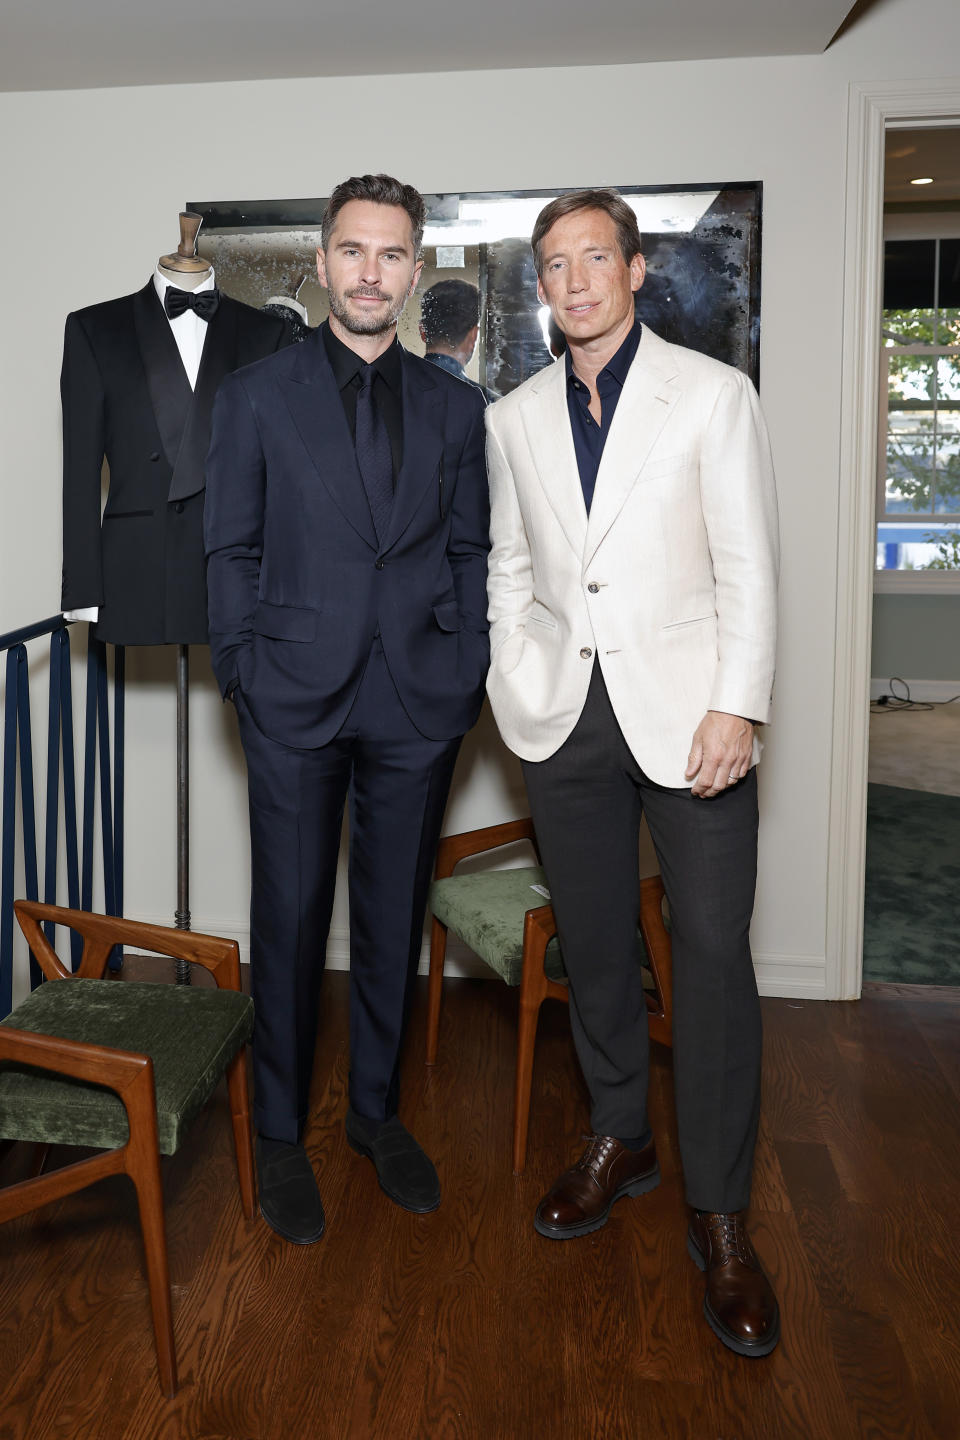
465, 1325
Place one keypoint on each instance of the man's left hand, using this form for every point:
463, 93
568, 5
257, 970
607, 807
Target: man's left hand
720, 754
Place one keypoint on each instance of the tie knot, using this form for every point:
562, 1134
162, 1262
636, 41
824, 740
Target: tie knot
367, 376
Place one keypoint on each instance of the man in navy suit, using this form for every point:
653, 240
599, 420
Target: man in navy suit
346, 537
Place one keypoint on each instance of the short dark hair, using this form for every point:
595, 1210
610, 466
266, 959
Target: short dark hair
448, 310
382, 190
611, 202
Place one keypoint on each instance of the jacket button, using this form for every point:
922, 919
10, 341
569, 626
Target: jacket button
155, 455
593, 587
378, 564
179, 507
585, 653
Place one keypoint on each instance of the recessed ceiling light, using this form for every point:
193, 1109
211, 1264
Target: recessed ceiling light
923, 180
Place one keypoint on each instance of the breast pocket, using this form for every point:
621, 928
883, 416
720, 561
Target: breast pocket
665, 465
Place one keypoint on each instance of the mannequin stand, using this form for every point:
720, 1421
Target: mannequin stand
182, 916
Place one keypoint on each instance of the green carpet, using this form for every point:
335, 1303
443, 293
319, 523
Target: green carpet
911, 931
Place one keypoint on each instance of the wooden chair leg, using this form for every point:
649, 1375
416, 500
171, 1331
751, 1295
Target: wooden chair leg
656, 939
438, 953
150, 1200
533, 992
526, 1041
142, 1164
239, 1094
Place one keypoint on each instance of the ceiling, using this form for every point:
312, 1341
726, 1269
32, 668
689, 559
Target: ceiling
79, 44
912, 154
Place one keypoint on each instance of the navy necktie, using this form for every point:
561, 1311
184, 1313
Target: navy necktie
374, 456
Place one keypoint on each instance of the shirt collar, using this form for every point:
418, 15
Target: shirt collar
619, 365
162, 283
347, 364
288, 303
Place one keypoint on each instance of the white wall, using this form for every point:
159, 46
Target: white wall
93, 181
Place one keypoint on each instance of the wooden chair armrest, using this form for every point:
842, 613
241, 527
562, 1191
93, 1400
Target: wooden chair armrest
97, 1064
454, 848
128, 1074
543, 921
102, 932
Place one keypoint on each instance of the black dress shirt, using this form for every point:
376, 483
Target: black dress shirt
589, 438
387, 388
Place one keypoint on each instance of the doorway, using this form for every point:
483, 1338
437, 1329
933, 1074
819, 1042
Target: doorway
875, 112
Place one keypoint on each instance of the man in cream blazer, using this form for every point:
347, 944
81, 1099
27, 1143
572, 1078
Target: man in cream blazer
632, 588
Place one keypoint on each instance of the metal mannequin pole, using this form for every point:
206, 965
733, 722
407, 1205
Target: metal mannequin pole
182, 917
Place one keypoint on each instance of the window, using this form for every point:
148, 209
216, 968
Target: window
918, 489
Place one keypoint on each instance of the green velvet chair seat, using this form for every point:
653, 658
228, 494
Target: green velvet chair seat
486, 912
191, 1034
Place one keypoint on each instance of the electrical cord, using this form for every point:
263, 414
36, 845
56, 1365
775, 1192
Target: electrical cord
889, 704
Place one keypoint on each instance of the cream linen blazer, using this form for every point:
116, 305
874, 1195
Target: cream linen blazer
670, 584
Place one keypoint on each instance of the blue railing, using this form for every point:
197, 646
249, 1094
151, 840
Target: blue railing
18, 742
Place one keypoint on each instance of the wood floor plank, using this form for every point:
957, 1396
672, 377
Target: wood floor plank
467, 1325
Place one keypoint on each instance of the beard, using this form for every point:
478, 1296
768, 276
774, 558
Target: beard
361, 323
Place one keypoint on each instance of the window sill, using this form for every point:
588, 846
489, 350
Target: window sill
916, 582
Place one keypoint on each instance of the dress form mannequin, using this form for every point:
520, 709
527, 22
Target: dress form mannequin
187, 271
184, 267
286, 305
138, 390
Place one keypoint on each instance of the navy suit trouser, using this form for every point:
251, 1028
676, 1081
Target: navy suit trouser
397, 782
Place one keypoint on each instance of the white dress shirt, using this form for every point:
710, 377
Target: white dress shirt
189, 331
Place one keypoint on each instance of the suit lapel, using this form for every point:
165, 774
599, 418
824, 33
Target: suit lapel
546, 421
314, 403
423, 416
649, 395
218, 359
167, 383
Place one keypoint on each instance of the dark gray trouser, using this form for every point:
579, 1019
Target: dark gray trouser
587, 801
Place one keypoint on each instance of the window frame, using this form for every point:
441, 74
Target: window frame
909, 582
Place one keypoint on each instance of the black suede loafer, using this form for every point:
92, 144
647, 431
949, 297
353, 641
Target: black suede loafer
405, 1173
289, 1198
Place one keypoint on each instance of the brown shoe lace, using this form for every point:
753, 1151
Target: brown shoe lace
596, 1154
728, 1236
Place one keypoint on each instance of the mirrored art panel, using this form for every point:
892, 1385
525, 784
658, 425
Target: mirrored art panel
701, 243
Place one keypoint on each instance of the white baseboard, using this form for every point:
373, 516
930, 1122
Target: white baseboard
794, 976
936, 690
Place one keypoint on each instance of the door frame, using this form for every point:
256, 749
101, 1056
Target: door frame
873, 108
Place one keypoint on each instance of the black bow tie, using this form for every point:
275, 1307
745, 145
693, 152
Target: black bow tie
203, 303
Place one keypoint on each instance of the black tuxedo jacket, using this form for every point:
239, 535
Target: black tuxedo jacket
299, 585
126, 396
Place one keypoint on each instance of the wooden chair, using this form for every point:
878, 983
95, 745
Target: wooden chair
497, 915
158, 1049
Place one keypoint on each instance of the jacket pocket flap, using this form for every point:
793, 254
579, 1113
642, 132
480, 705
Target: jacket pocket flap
284, 622
447, 615
694, 620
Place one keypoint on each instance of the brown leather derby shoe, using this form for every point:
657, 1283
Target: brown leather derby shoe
580, 1200
740, 1306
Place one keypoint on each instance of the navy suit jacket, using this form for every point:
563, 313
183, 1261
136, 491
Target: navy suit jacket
298, 584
